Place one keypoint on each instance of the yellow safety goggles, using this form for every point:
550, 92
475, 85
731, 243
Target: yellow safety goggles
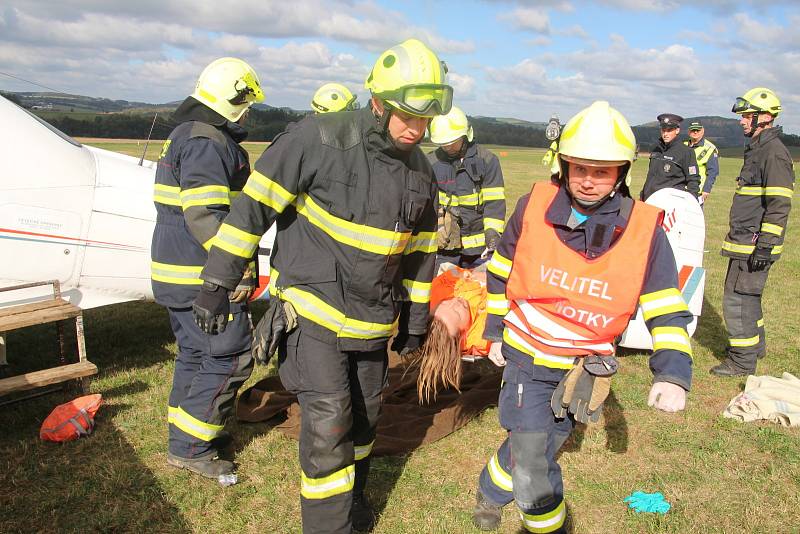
423, 100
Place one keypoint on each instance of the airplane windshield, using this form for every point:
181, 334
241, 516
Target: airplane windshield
53, 129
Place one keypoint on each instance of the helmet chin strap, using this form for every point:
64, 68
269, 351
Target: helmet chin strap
755, 125
383, 125
594, 204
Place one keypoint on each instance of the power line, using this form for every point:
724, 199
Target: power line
32, 82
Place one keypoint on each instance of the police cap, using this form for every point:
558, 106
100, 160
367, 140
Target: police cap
669, 120
695, 125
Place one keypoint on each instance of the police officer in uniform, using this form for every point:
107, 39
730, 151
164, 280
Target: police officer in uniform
758, 217
707, 157
672, 164
353, 199
470, 186
201, 168
333, 97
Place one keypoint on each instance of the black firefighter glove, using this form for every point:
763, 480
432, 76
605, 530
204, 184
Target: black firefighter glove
406, 343
582, 392
211, 308
760, 259
279, 319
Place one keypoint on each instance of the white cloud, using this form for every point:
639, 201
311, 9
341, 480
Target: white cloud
576, 30
528, 19
463, 86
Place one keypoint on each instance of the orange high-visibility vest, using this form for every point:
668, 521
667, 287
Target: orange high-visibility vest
456, 283
565, 304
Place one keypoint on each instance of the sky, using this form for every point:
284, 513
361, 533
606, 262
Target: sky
525, 59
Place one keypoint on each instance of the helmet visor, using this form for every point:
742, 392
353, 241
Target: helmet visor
424, 100
247, 90
352, 104
742, 106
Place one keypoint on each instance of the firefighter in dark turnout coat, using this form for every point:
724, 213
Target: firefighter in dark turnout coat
352, 196
471, 188
202, 166
758, 217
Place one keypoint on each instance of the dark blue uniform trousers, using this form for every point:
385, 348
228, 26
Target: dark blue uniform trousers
209, 370
339, 393
524, 468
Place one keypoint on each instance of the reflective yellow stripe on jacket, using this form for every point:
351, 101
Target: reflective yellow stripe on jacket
421, 242
175, 274
474, 240
207, 195
662, 302
167, 194
772, 229
267, 192
419, 292
756, 191
235, 241
362, 451
493, 193
500, 265
671, 337
746, 249
360, 236
320, 312
493, 224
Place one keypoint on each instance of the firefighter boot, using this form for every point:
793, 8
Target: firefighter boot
728, 369
486, 514
207, 465
362, 515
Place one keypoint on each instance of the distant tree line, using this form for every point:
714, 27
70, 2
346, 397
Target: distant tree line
493, 132
263, 125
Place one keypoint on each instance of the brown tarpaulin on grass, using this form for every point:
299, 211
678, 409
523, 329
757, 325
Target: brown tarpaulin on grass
404, 425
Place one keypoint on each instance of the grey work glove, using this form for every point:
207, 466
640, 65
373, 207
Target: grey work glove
245, 289
211, 308
581, 394
760, 259
492, 239
279, 319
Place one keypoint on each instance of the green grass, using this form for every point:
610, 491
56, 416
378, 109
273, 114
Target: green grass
719, 475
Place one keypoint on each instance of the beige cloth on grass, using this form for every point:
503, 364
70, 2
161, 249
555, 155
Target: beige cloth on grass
768, 397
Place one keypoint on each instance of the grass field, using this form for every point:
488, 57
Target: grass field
719, 475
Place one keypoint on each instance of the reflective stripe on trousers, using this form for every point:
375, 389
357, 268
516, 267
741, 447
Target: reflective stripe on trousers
340, 399
209, 370
741, 307
524, 469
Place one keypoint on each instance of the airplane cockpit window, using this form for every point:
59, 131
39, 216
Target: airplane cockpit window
53, 129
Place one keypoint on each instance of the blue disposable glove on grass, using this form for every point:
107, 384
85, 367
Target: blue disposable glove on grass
640, 501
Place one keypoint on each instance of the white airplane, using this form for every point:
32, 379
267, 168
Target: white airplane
685, 227
77, 214
85, 216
